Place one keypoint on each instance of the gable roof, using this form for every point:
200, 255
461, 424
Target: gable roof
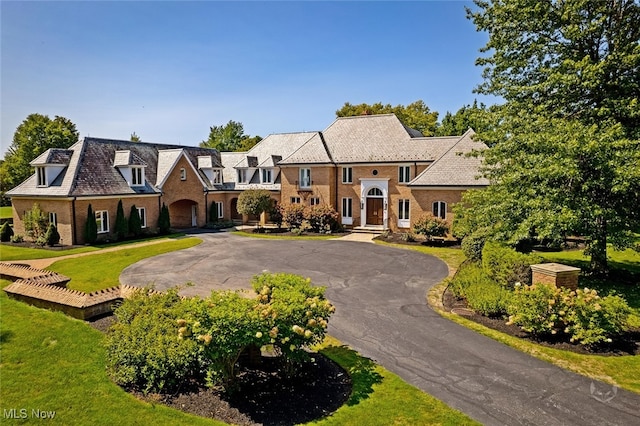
90, 170
454, 168
278, 145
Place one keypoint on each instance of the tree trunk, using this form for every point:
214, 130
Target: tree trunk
598, 248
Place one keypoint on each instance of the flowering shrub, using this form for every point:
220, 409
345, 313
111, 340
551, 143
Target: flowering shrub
322, 218
583, 315
292, 215
430, 226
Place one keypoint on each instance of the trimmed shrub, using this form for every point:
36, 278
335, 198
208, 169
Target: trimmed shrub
293, 215
322, 218
506, 266
122, 228
135, 223
213, 212
472, 246
52, 237
143, 352
430, 226
488, 298
90, 227
6, 232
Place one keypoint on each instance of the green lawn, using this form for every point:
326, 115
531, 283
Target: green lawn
6, 212
55, 363
102, 270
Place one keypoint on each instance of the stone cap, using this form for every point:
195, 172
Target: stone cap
555, 269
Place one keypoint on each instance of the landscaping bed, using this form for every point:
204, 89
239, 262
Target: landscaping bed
626, 344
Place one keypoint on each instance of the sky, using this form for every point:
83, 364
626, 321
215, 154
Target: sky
169, 70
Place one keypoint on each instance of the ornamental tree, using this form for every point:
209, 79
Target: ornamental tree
254, 202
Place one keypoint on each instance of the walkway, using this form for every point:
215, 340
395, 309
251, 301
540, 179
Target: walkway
379, 293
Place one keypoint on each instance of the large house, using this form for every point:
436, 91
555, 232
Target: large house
376, 172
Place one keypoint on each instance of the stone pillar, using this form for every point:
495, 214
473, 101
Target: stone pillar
555, 273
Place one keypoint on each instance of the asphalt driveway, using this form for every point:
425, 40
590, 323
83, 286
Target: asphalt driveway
379, 294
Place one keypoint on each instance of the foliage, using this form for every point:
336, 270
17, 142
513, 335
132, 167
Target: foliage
142, 350
213, 212
230, 137
135, 223
430, 226
506, 266
407, 237
6, 232
483, 295
90, 227
582, 315
563, 157
164, 221
16, 239
122, 227
33, 136
254, 202
468, 117
135, 138
322, 218
473, 244
294, 313
52, 237
416, 115
224, 224
35, 223
275, 214
293, 215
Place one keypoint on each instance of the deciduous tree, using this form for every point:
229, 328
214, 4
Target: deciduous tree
230, 137
416, 115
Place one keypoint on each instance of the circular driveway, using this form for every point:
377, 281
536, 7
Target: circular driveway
381, 311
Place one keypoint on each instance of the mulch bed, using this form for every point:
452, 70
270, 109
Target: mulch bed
396, 238
626, 344
264, 396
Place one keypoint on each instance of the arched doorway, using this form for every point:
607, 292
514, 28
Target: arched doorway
375, 207
183, 214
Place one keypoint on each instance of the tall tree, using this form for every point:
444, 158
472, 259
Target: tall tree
416, 115
135, 138
34, 135
469, 116
564, 150
229, 137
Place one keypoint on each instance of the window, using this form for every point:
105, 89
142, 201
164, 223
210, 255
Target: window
403, 214
314, 201
347, 211
305, 178
347, 175
53, 218
374, 192
242, 176
183, 174
295, 200
137, 177
102, 221
220, 208
41, 176
266, 176
440, 209
404, 174
217, 176
142, 212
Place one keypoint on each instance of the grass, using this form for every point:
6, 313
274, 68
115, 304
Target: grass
102, 271
55, 363
10, 252
276, 236
6, 212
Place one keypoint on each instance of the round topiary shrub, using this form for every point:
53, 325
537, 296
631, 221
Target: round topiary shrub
6, 232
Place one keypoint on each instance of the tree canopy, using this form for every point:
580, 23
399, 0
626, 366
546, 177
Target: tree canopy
34, 135
469, 116
416, 115
230, 137
564, 154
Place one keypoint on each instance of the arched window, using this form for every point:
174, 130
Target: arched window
374, 192
440, 209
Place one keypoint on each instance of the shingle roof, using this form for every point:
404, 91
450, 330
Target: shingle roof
53, 156
279, 144
230, 159
454, 168
91, 170
313, 151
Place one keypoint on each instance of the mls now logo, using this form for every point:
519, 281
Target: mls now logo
603, 395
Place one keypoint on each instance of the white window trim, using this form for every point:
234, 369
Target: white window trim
135, 171
347, 216
347, 172
441, 211
242, 175
217, 177
404, 222
314, 201
305, 181
183, 173
104, 220
295, 200
53, 218
404, 174
263, 172
41, 176
142, 212
220, 207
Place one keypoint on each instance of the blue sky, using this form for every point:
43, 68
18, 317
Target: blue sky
169, 70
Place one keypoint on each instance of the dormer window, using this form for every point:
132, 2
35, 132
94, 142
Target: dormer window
217, 176
137, 176
267, 176
242, 175
41, 175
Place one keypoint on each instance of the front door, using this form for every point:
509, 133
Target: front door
374, 211
194, 215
